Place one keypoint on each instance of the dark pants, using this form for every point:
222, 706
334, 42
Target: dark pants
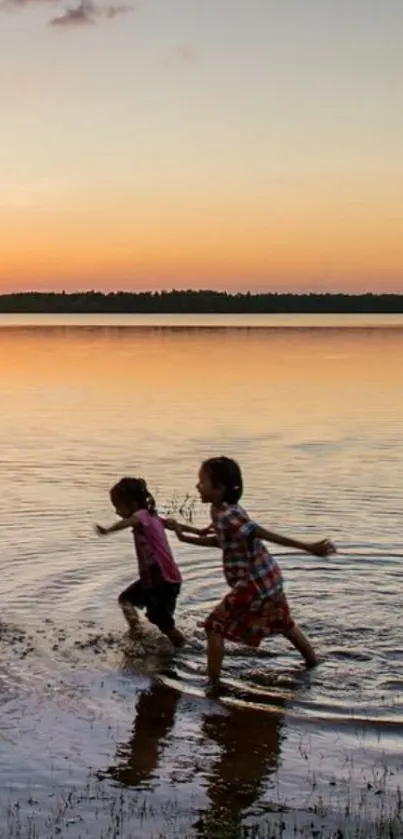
159, 602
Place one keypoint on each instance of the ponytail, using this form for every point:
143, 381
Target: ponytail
149, 499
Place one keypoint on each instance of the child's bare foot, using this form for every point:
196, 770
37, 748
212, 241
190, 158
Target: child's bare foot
176, 638
214, 689
301, 643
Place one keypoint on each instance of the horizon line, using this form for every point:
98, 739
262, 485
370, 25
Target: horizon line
198, 291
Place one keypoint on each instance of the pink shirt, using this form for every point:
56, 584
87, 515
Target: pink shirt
155, 558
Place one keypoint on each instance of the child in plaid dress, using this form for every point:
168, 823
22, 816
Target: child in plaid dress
256, 605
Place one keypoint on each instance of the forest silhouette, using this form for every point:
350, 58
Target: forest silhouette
198, 302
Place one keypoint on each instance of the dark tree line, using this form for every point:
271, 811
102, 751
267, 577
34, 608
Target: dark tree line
198, 302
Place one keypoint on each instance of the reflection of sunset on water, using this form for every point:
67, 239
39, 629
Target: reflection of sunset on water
187, 392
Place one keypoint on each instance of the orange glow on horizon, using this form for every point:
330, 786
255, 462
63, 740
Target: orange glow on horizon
297, 240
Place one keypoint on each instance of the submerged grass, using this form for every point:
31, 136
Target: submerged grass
100, 810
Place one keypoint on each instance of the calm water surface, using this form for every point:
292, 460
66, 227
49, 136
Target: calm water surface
312, 408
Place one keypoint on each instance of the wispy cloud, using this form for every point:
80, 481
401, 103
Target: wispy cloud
81, 15
24, 4
86, 14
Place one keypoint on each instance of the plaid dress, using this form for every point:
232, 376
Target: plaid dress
256, 606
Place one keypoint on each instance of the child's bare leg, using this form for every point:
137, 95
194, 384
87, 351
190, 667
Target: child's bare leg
301, 643
130, 613
215, 655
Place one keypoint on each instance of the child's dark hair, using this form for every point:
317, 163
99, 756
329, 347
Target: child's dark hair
128, 490
225, 472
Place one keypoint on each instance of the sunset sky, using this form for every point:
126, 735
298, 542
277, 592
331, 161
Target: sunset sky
201, 143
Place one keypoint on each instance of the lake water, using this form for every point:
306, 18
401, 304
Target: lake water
312, 408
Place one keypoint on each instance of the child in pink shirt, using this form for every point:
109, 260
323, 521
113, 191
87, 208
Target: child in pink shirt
159, 585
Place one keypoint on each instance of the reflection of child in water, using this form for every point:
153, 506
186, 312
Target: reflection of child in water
256, 606
159, 585
249, 744
137, 761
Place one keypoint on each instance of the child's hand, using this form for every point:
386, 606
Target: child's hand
205, 531
322, 548
100, 531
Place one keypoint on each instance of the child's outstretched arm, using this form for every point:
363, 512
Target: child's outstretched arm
198, 531
322, 548
122, 524
202, 541
171, 524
